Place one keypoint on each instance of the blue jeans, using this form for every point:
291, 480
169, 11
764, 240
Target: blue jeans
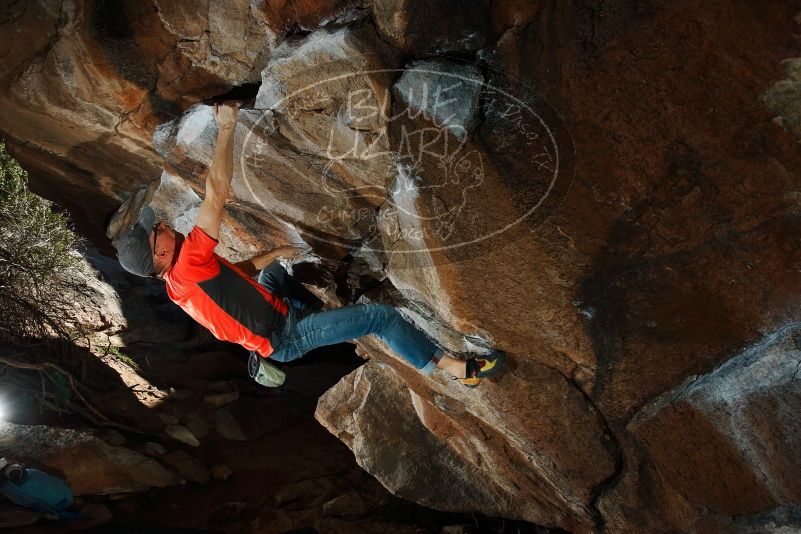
307, 328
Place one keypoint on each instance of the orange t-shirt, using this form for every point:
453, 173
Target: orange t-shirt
218, 295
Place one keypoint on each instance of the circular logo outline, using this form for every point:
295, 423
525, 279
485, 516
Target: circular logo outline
483, 85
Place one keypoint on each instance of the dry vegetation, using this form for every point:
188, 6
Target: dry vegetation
41, 361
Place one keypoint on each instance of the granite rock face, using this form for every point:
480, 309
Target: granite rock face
372, 412
86, 83
784, 97
609, 193
737, 425
435, 26
446, 447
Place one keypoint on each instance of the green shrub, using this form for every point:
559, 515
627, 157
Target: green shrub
37, 254
123, 358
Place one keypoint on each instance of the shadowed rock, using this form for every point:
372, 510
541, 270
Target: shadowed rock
89, 465
612, 272
784, 97
715, 434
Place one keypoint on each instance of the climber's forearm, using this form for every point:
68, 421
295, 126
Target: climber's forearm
257, 263
222, 166
218, 183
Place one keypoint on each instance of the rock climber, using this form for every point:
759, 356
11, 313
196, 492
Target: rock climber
275, 316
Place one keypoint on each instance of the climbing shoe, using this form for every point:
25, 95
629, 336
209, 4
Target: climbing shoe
478, 368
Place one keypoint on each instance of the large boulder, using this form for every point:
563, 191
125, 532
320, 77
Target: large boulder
371, 411
477, 172
718, 433
635, 239
532, 469
89, 465
313, 161
107, 73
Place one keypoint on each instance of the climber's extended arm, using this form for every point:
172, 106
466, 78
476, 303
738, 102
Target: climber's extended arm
257, 263
218, 179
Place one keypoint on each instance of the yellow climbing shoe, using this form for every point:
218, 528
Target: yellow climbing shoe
478, 368
470, 382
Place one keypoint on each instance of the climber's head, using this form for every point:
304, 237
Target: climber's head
164, 242
149, 247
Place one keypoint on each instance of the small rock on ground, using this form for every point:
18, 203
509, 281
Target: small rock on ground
154, 449
221, 472
12, 516
167, 419
221, 399
189, 467
350, 504
197, 425
182, 434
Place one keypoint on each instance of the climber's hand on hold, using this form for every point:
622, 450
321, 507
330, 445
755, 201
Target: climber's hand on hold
226, 114
288, 252
257, 263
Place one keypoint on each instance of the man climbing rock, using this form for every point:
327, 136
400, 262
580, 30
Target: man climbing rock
274, 317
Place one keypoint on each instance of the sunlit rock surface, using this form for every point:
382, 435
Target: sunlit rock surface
458, 439
86, 83
610, 195
372, 411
